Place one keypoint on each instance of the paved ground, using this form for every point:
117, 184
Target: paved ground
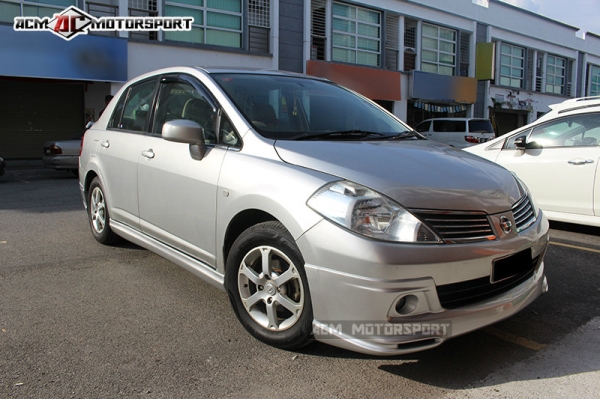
562, 370
78, 319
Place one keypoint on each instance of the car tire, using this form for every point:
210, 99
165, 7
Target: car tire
98, 214
267, 286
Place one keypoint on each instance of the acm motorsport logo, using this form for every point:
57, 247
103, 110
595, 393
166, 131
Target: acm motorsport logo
73, 22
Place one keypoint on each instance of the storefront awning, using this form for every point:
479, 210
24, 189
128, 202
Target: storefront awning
45, 55
373, 83
443, 88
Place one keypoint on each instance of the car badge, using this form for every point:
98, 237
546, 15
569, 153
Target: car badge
505, 225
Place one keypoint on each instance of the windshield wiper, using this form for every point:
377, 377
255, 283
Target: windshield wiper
341, 135
407, 135
360, 134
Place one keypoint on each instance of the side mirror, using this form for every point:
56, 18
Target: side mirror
521, 143
187, 132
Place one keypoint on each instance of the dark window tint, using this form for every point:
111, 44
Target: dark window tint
423, 126
285, 107
449, 126
180, 100
135, 110
115, 118
481, 126
228, 135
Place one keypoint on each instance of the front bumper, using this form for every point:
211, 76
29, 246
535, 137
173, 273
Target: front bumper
382, 298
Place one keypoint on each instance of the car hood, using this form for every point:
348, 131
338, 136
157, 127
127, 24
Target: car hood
418, 174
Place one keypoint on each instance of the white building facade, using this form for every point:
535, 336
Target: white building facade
419, 59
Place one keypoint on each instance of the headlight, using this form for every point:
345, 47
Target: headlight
363, 211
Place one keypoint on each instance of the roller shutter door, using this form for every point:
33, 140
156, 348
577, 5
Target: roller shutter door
34, 111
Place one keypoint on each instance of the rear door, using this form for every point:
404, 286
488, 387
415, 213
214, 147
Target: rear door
117, 148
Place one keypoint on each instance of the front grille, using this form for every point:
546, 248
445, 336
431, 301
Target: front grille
455, 227
523, 213
466, 293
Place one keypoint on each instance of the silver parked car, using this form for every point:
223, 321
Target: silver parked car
63, 154
320, 214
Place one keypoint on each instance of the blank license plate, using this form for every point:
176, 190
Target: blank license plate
519, 263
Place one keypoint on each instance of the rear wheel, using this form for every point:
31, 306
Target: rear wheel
268, 288
98, 214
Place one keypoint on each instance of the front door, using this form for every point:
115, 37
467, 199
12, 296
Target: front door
178, 194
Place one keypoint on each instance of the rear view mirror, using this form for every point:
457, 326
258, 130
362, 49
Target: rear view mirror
187, 132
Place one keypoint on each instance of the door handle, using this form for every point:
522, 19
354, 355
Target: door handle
580, 161
105, 144
148, 153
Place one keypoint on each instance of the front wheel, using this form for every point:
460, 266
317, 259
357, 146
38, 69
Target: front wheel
98, 214
268, 288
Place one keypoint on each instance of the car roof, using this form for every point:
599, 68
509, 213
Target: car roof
580, 104
215, 70
253, 71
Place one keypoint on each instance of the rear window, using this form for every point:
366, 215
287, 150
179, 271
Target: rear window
449, 126
481, 126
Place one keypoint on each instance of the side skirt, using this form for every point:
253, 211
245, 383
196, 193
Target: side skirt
200, 269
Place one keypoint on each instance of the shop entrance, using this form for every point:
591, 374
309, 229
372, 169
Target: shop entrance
37, 110
418, 111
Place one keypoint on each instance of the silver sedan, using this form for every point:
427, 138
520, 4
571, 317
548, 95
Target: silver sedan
319, 213
63, 154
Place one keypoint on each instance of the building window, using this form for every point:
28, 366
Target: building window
259, 25
512, 65
8, 11
410, 44
33, 8
216, 22
143, 8
102, 9
594, 81
356, 35
438, 50
392, 41
556, 68
318, 30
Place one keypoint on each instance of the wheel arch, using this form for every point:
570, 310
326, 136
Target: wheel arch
241, 222
87, 181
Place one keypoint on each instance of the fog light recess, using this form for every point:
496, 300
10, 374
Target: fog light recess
407, 304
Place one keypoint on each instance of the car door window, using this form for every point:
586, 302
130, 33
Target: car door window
133, 109
228, 134
510, 142
181, 100
573, 131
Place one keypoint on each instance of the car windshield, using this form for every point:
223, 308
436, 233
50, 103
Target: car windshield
298, 108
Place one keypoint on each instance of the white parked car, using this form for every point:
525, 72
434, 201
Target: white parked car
457, 132
558, 157
320, 214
